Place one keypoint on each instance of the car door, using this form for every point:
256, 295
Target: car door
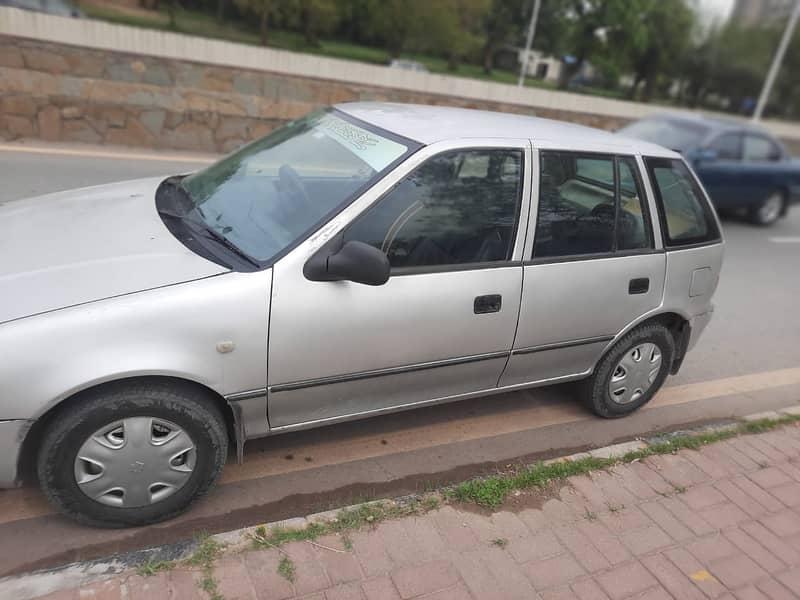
592, 268
759, 172
720, 174
449, 220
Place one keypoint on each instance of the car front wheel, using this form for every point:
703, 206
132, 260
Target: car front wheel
769, 210
630, 374
130, 455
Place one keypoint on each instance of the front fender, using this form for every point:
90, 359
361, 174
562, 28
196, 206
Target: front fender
174, 331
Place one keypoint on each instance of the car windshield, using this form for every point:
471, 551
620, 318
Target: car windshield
268, 194
671, 133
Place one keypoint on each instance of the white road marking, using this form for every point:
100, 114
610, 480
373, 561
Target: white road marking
117, 155
785, 239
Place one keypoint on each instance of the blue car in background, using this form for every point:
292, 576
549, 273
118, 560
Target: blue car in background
742, 166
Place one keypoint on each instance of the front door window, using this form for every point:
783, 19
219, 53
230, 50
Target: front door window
458, 208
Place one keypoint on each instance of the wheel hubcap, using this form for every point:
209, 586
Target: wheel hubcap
771, 209
635, 373
135, 462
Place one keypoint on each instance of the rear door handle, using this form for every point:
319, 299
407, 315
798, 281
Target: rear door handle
640, 285
490, 303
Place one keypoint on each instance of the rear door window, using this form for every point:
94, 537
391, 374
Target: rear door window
589, 204
760, 148
686, 217
728, 146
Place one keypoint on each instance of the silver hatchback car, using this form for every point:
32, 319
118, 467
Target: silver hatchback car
364, 259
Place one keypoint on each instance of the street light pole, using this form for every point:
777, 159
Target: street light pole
529, 41
776, 62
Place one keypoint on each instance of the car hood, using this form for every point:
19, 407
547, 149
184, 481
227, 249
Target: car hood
88, 244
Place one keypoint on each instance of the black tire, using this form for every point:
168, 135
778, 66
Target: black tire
595, 389
190, 409
763, 215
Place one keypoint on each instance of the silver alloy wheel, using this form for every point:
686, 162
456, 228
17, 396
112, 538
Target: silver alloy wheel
770, 210
135, 462
635, 373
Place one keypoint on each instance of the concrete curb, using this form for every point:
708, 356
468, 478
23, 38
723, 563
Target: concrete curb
32, 585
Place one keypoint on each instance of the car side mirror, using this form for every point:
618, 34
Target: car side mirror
351, 261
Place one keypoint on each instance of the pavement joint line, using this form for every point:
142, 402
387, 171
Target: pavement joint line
29, 586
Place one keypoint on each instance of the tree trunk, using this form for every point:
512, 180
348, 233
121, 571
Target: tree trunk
173, 23
637, 79
649, 86
488, 58
452, 62
310, 35
263, 27
568, 72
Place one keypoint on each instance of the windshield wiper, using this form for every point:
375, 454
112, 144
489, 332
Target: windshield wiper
200, 227
210, 234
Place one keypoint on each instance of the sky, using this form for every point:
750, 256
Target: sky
712, 10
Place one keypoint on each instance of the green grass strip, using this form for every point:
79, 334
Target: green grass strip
491, 492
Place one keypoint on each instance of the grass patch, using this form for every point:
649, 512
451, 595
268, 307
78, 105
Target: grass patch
500, 542
346, 521
286, 569
203, 558
154, 567
491, 492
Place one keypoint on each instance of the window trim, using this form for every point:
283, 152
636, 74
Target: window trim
614, 253
714, 235
771, 142
456, 267
736, 132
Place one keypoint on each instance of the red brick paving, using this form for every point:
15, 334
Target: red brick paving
722, 522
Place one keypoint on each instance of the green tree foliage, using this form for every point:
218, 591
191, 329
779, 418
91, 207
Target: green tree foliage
603, 31
666, 31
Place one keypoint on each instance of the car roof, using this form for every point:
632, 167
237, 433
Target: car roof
429, 124
714, 123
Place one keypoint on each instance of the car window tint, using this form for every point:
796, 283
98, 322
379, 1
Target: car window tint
576, 211
727, 146
598, 170
757, 147
633, 228
684, 210
457, 208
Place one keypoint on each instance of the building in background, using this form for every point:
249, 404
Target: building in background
761, 13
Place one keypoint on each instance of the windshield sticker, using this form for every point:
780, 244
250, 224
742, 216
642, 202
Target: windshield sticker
378, 152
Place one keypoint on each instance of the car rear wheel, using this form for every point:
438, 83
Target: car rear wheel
769, 210
132, 454
630, 374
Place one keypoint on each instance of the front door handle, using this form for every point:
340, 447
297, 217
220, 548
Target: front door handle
640, 285
490, 303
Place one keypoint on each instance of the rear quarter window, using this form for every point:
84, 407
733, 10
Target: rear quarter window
686, 217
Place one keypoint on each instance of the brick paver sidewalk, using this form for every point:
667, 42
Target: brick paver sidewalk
722, 522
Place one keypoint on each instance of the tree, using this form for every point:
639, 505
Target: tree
667, 28
391, 22
502, 24
601, 30
317, 17
263, 11
450, 28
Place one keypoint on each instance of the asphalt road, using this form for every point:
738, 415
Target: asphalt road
747, 361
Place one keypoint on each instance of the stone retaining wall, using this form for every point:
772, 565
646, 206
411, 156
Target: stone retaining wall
66, 93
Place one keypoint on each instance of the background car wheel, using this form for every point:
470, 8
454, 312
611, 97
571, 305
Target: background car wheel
630, 374
769, 210
132, 454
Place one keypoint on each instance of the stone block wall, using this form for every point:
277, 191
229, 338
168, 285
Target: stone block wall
67, 93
